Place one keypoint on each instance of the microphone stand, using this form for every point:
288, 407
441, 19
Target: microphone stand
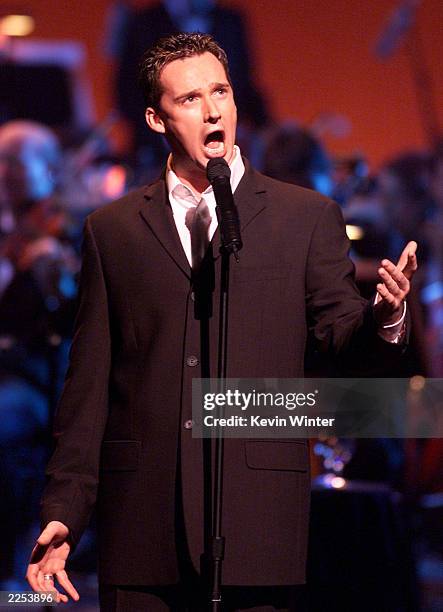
217, 541
218, 173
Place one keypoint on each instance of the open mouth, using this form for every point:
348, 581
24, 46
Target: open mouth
215, 140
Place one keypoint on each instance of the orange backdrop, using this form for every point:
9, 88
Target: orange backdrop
311, 57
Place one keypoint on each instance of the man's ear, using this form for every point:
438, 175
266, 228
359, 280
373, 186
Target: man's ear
154, 120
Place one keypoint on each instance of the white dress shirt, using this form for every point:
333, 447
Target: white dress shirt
182, 198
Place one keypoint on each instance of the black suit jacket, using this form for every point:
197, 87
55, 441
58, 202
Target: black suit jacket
120, 425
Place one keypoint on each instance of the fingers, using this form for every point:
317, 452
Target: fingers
395, 286
407, 262
393, 277
43, 584
31, 576
387, 296
48, 558
411, 266
48, 585
50, 535
38, 582
53, 531
63, 579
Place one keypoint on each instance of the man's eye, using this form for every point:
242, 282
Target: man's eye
221, 91
190, 99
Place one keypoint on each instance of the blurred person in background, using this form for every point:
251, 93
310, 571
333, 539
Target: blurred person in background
294, 155
350, 175
432, 292
403, 189
37, 294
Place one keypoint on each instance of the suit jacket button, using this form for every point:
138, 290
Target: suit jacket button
192, 361
189, 424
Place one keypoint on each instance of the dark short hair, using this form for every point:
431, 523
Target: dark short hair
168, 49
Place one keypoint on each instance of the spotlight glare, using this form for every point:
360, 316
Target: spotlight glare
16, 25
354, 232
338, 482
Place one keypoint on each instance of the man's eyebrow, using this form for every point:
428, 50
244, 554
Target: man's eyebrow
219, 85
196, 92
183, 96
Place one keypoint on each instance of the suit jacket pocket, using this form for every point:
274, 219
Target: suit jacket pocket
285, 455
120, 455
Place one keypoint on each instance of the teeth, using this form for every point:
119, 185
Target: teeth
215, 150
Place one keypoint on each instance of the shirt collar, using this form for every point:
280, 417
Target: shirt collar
236, 166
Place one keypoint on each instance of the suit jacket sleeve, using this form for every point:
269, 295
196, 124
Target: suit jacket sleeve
79, 425
341, 320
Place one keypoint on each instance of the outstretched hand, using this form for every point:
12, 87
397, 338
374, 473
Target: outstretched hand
48, 558
395, 285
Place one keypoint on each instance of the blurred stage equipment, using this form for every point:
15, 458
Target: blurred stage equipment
42, 80
402, 25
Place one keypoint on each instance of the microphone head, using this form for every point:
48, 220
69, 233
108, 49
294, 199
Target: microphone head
217, 168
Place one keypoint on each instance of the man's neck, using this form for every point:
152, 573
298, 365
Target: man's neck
197, 182
195, 178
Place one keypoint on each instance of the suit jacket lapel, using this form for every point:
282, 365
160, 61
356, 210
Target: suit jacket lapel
157, 214
250, 199
250, 196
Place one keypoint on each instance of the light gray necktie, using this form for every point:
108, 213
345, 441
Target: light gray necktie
198, 220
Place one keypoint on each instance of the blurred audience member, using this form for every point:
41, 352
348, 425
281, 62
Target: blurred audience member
294, 155
432, 292
36, 308
91, 174
369, 230
350, 175
403, 188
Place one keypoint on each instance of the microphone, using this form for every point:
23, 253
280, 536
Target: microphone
218, 173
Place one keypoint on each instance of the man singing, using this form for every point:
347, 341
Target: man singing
124, 424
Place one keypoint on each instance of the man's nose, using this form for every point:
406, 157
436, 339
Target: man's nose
211, 111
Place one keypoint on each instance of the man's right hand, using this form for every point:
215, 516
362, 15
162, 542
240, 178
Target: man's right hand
48, 558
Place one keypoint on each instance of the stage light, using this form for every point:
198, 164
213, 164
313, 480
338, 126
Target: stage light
331, 481
16, 25
338, 482
354, 232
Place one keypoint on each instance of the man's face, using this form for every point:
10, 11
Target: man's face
197, 113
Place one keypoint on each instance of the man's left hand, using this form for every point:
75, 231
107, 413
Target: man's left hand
395, 285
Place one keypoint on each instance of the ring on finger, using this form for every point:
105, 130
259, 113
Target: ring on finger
48, 577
